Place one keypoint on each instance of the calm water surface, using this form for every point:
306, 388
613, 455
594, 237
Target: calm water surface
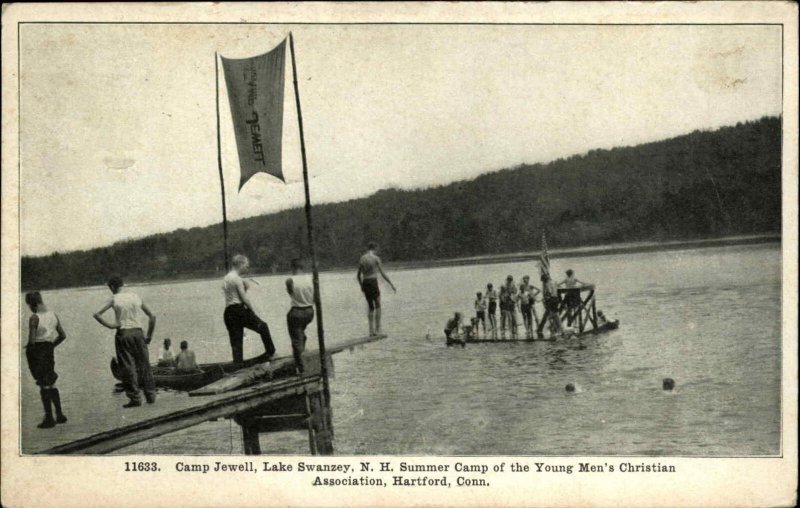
708, 318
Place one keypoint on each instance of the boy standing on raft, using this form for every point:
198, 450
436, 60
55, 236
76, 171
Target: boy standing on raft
44, 334
131, 344
239, 312
491, 296
369, 266
480, 312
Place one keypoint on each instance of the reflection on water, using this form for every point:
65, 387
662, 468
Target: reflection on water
710, 319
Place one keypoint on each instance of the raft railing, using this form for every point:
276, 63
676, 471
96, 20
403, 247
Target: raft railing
584, 313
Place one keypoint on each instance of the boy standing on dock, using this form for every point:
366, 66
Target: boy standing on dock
239, 312
130, 343
44, 334
369, 266
301, 292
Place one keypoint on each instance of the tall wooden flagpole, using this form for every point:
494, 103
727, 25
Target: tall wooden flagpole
317, 300
219, 164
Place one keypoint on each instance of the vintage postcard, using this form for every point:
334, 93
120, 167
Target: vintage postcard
401, 254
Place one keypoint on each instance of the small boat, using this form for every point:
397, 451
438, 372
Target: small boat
169, 377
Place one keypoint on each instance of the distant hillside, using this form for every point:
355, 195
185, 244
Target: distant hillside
703, 184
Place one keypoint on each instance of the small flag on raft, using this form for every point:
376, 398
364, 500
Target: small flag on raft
255, 92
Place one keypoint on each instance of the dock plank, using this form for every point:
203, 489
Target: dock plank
278, 368
114, 439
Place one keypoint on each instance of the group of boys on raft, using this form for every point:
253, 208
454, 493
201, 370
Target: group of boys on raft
509, 299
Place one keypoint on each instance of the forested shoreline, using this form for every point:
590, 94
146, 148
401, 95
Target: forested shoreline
704, 184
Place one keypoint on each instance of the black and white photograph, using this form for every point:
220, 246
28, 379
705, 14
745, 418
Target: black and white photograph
393, 252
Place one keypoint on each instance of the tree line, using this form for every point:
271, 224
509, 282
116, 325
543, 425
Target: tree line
699, 185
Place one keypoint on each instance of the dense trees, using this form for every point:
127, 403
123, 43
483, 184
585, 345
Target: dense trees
703, 184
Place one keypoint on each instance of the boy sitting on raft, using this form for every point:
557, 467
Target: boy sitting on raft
452, 329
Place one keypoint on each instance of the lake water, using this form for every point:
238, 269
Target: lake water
708, 318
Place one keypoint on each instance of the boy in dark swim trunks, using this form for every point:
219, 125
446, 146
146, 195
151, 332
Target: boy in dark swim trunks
526, 309
527, 300
572, 299
453, 326
491, 296
511, 307
480, 312
506, 308
552, 303
369, 267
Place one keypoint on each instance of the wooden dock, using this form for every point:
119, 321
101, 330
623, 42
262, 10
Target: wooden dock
273, 403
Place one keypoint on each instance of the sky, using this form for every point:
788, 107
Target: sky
118, 122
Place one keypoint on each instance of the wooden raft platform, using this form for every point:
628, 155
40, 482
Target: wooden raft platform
290, 402
606, 327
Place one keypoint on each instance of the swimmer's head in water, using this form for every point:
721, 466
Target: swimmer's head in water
668, 383
570, 387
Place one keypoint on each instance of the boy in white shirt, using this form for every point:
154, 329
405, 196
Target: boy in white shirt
239, 312
166, 359
44, 334
301, 293
133, 355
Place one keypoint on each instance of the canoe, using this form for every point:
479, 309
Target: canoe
606, 327
168, 377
